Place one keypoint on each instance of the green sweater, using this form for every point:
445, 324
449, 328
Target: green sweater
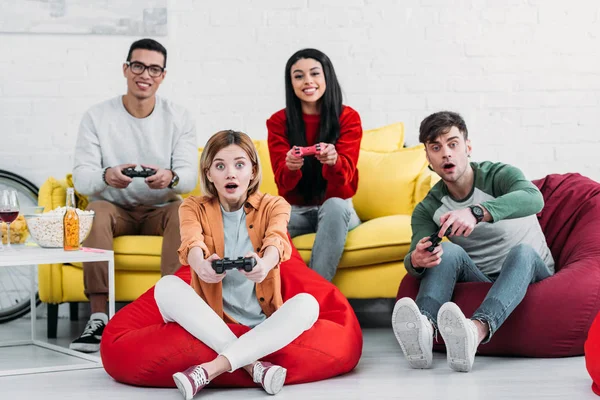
512, 202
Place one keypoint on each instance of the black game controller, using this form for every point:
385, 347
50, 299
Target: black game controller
133, 173
435, 239
245, 263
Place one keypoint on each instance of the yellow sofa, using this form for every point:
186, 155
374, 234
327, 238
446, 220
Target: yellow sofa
392, 181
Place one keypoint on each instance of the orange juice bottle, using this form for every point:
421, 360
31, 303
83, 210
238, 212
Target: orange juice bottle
71, 223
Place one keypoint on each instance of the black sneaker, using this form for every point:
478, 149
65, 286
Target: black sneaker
89, 341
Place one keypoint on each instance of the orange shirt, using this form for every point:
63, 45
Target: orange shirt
201, 225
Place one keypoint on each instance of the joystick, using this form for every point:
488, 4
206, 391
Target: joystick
133, 173
435, 239
307, 151
245, 263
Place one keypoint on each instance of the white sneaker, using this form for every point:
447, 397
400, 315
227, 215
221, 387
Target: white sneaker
460, 335
414, 333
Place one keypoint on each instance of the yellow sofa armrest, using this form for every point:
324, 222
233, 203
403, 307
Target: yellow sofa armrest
52, 194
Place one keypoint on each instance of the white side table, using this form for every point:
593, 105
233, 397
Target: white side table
33, 255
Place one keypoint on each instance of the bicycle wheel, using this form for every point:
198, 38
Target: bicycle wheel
15, 284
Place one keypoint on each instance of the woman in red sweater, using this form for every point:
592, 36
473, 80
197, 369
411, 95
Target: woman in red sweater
319, 187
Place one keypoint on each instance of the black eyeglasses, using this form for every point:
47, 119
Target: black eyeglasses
138, 68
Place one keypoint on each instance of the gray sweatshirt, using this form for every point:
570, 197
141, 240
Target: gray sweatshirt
110, 136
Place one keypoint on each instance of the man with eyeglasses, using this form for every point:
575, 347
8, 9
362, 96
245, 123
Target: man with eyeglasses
137, 130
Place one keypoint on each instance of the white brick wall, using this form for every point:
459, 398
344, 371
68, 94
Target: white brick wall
524, 73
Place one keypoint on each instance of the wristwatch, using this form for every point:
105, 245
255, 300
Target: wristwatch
174, 181
477, 212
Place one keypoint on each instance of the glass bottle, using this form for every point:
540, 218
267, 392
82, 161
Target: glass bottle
71, 223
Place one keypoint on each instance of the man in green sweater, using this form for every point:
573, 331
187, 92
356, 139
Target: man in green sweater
488, 212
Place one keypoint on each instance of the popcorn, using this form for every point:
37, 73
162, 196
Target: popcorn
47, 229
18, 231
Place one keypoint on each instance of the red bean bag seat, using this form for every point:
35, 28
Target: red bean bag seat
592, 354
554, 317
138, 348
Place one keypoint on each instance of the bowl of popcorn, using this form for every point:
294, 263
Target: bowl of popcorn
47, 229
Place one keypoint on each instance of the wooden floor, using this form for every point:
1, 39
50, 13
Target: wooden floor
381, 374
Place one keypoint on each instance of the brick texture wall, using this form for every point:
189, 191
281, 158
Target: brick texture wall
525, 74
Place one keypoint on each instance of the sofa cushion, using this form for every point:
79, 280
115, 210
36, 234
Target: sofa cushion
268, 178
384, 139
129, 285
138, 245
377, 241
136, 253
370, 281
196, 191
387, 182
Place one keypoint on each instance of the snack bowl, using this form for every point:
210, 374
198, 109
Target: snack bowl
47, 229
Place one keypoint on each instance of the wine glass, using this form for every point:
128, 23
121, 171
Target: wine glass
9, 210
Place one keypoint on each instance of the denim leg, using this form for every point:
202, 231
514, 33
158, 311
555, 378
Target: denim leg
437, 283
336, 218
303, 220
522, 267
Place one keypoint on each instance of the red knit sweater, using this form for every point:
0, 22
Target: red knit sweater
342, 178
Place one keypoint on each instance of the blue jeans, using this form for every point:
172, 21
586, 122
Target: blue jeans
522, 267
331, 221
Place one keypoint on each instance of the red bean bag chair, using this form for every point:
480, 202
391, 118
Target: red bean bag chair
138, 348
554, 317
592, 354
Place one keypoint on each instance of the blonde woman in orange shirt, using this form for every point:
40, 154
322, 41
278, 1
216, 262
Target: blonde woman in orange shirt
233, 219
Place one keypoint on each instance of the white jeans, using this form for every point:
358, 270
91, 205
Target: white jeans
178, 302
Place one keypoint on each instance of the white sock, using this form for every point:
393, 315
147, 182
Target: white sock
101, 316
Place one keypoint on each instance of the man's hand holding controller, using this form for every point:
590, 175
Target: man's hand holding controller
114, 177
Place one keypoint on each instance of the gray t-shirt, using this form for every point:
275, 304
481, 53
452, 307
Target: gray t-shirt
110, 136
239, 292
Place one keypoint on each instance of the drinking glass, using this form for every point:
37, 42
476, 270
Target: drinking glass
9, 210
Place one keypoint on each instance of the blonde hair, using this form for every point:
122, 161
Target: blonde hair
218, 142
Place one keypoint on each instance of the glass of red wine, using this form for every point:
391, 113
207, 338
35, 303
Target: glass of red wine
9, 210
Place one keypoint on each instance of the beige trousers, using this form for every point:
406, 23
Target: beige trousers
112, 221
